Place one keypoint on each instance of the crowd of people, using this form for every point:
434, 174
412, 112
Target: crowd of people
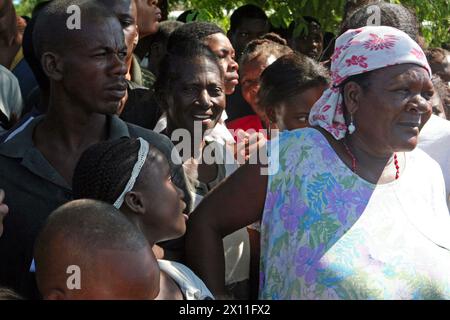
133, 155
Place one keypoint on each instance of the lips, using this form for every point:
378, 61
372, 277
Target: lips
232, 78
202, 117
117, 90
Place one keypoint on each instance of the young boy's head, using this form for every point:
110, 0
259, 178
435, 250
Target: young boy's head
89, 250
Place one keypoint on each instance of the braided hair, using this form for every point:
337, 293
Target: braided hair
269, 44
105, 168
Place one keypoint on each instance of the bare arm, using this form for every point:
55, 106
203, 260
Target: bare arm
237, 202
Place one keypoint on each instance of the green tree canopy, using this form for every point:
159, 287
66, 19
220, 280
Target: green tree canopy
434, 15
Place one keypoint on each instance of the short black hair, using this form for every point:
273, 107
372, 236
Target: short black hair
104, 169
89, 225
392, 15
248, 11
50, 31
288, 76
165, 30
189, 32
170, 66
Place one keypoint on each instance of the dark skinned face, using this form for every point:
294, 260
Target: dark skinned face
148, 17
198, 95
248, 30
126, 12
393, 107
94, 67
163, 200
311, 44
293, 113
221, 46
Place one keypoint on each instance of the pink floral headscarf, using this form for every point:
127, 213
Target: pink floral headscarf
358, 51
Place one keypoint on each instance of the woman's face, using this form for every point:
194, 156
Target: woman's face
250, 77
221, 46
196, 96
163, 200
392, 108
293, 113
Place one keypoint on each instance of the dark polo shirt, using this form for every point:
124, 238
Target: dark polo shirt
34, 189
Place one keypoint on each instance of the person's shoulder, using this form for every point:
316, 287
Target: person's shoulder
149, 135
192, 286
306, 135
421, 159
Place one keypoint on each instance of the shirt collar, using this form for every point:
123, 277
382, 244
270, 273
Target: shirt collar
22, 147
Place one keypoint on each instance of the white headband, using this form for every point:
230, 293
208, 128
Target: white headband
142, 155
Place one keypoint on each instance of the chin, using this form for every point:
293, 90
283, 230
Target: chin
229, 90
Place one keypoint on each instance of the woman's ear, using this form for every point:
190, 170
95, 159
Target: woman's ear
352, 94
135, 202
52, 65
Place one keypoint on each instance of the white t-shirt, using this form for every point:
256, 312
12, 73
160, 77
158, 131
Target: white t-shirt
10, 96
434, 139
192, 286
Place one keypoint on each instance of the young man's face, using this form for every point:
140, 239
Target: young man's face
247, 31
311, 44
149, 16
94, 67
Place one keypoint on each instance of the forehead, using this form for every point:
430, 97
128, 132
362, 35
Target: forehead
98, 33
199, 66
218, 40
259, 63
253, 25
120, 7
402, 72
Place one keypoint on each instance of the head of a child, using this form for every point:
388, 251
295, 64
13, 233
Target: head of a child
256, 57
88, 250
135, 178
289, 88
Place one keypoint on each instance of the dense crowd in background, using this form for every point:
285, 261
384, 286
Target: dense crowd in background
98, 201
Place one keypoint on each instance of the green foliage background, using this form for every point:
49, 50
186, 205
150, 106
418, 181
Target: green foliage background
435, 13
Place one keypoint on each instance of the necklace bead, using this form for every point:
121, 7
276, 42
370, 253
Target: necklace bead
352, 156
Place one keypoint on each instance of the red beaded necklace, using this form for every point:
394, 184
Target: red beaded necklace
352, 156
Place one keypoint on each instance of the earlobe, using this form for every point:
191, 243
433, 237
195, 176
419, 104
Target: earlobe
134, 202
52, 65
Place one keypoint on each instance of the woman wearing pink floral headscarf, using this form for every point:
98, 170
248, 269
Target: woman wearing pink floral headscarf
351, 213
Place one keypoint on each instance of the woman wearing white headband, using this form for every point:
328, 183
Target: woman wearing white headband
136, 179
351, 213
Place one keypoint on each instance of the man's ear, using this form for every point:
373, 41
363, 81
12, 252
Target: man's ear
52, 65
135, 202
352, 94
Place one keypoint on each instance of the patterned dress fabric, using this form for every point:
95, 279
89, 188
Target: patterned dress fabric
326, 233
